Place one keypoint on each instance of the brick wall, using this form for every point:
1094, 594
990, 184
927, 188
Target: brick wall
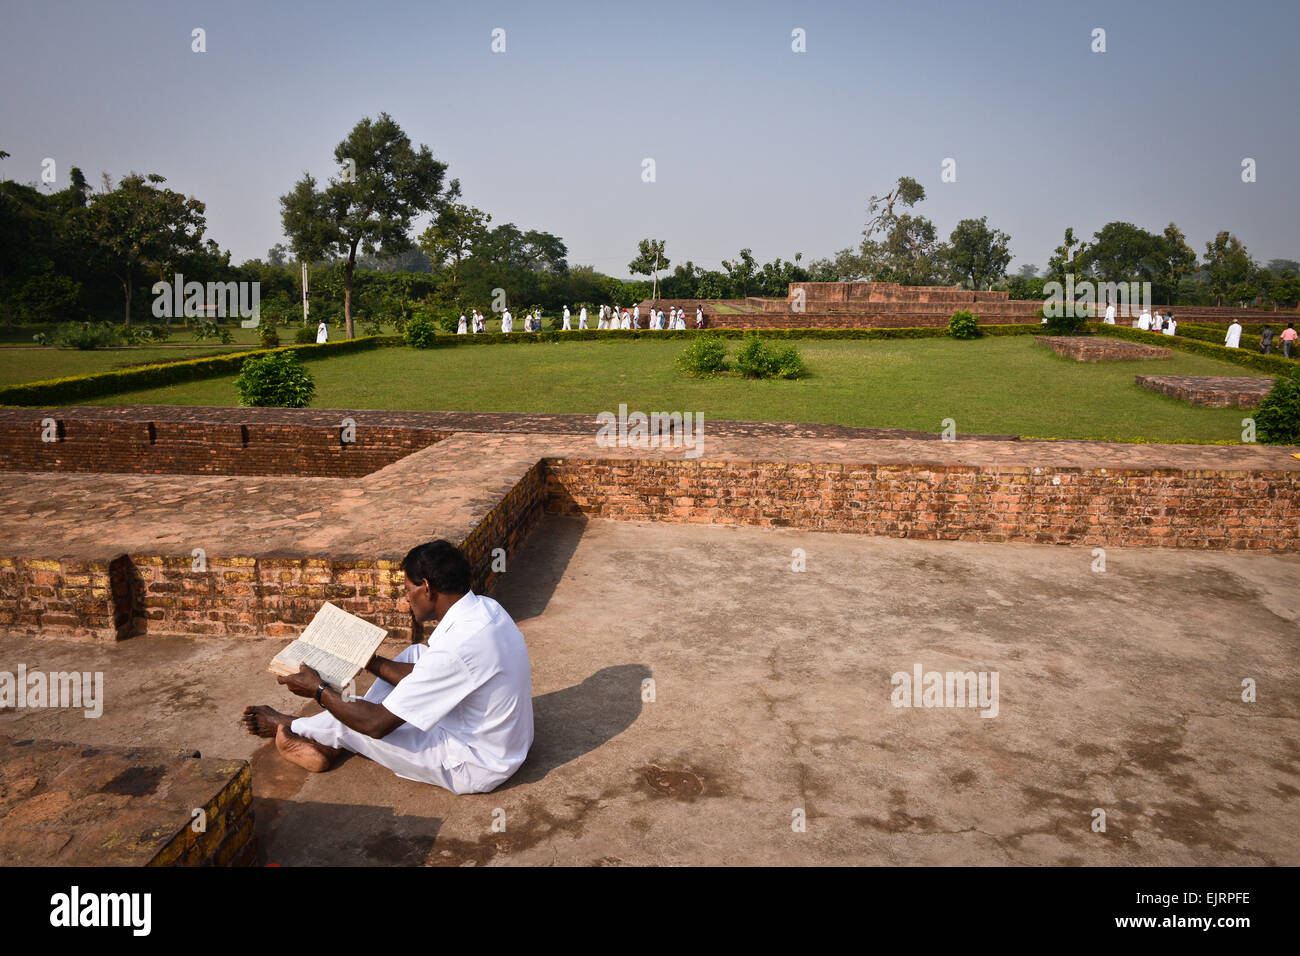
1256, 511
226, 448
238, 595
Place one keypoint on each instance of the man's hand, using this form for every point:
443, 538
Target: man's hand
303, 683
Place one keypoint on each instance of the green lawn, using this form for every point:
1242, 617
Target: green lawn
997, 385
34, 365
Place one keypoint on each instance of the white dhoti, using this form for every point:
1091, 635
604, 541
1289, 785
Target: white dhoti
408, 751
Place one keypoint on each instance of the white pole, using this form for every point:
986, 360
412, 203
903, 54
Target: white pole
304, 293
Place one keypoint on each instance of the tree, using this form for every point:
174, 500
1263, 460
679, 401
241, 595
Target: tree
385, 183
1177, 259
978, 254
649, 260
1067, 257
1227, 264
1122, 252
742, 271
137, 223
908, 250
1028, 271
453, 233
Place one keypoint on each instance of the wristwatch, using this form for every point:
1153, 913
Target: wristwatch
318, 692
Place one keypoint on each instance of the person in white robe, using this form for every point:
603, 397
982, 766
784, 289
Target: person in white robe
462, 327
627, 320
582, 317
1233, 339
681, 320
1144, 320
1170, 325
566, 327
602, 322
322, 334
699, 317
662, 324
1110, 314
507, 321
636, 316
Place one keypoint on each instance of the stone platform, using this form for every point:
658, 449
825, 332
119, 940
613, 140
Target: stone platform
69, 804
1087, 348
1210, 391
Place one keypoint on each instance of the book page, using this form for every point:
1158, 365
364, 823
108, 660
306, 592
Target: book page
336, 644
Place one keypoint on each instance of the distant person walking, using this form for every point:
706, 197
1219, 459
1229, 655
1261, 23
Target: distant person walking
1266, 340
322, 334
462, 327
566, 327
582, 317
1233, 339
1289, 335
1170, 324
1110, 314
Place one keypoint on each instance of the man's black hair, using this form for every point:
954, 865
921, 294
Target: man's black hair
440, 563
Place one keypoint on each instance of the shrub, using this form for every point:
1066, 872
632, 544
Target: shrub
1277, 420
420, 332
788, 363
1065, 324
368, 327
268, 336
706, 355
159, 333
305, 335
85, 335
40, 338
276, 380
964, 325
757, 359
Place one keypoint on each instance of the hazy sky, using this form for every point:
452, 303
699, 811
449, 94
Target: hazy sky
754, 145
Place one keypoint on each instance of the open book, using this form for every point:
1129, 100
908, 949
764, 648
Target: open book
336, 644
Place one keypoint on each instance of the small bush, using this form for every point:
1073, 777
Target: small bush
276, 380
1277, 420
757, 359
420, 332
1065, 325
85, 335
706, 355
368, 327
268, 335
159, 333
964, 325
305, 335
788, 363
210, 330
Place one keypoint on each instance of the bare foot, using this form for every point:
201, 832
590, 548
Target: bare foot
306, 753
262, 721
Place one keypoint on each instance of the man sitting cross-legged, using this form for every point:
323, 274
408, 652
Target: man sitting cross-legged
456, 712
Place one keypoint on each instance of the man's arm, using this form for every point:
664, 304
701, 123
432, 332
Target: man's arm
373, 720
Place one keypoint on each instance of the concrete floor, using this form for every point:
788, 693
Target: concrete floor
1118, 691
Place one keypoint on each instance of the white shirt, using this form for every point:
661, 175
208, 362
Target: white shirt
322, 335
1233, 339
1144, 321
582, 317
1110, 314
1170, 326
507, 321
471, 692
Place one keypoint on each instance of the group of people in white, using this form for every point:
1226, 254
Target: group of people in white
1145, 321
610, 317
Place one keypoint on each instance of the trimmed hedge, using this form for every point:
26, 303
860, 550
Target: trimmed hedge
1247, 358
64, 391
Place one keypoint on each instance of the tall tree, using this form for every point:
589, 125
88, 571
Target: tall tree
1067, 257
453, 233
977, 253
649, 260
1227, 264
1177, 259
385, 183
909, 250
137, 223
1122, 252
